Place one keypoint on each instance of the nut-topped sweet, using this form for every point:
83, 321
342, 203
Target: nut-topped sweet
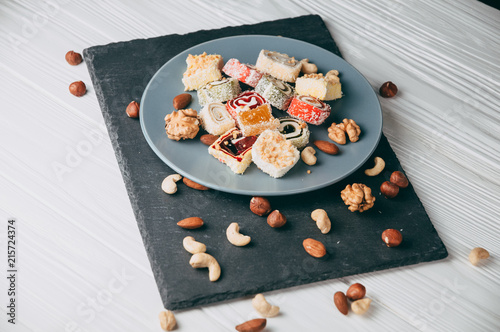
202, 69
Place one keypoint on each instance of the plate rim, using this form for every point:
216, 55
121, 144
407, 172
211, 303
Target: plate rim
255, 192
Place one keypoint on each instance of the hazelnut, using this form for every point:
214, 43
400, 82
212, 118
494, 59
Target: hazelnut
388, 90
389, 189
77, 88
276, 219
260, 206
356, 292
73, 58
392, 237
399, 179
133, 109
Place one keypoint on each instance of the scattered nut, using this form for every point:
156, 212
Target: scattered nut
167, 320
355, 292
264, 308
254, 325
351, 128
314, 248
260, 206
181, 101
182, 124
192, 246
389, 189
276, 219
322, 221
169, 183
191, 223
360, 307
478, 254
77, 88
358, 197
308, 68
235, 237
73, 58
392, 237
326, 147
133, 109
201, 260
194, 185
340, 301
388, 90
399, 179
308, 157
377, 169
208, 139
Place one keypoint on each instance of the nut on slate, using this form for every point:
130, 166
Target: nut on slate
388, 90
260, 206
254, 325
194, 185
340, 301
77, 88
208, 139
326, 147
392, 237
389, 189
314, 248
276, 219
191, 223
355, 292
478, 254
399, 179
377, 169
133, 109
181, 101
73, 58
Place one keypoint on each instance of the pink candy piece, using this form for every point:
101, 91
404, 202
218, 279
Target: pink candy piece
242, 72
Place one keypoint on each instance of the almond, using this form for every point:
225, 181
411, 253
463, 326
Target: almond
181, 101
326, 147
254, 325
194, 185
191, 223
314, 248
340, 301
208, 139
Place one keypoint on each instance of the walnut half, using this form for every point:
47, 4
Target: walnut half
337, 132
182, 124
358, 197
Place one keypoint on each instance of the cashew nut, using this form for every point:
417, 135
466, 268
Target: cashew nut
359, 307
192, 246
478, 254
235, 237
169, 183
307, 155
308, 68
167, 320
264, 308
201, 260
322, 221
379, 167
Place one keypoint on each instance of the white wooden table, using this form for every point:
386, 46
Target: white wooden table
80, 258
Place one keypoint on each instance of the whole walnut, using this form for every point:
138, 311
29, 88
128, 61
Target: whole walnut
182, 124
358, 197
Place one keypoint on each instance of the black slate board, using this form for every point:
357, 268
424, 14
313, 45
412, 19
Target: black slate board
275, 258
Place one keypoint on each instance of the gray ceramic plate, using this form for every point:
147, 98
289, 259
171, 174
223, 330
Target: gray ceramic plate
190, 158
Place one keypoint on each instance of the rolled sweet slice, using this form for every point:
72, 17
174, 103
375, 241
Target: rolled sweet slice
278, 65
322, 87
219, 91
234, 150
247, 74
310, 109
215, 119
276, 92
250, 99
253, 121
202, 69
295, 131
273, 154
